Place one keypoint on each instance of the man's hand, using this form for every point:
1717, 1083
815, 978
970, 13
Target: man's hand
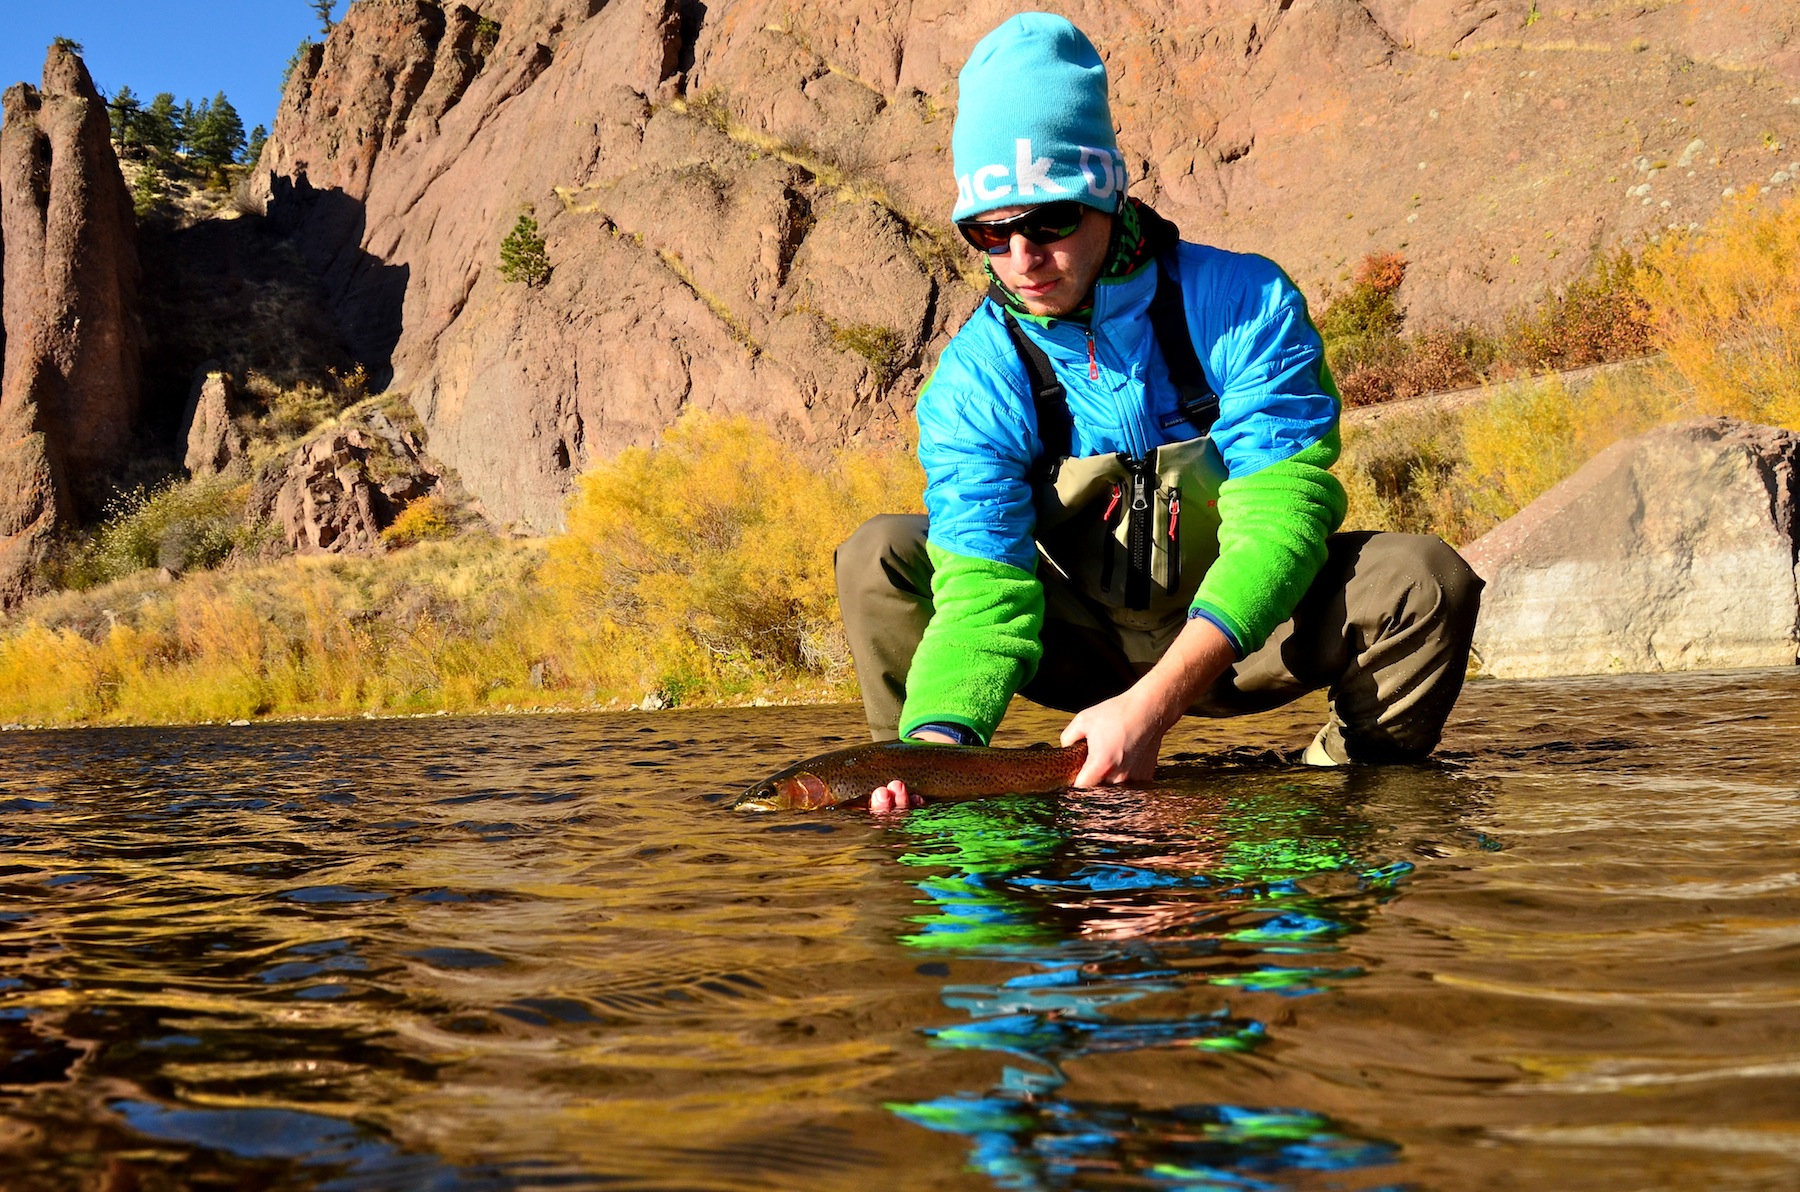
885, 800
1124, 733
894, 796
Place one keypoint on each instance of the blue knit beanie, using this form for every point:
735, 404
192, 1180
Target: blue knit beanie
1032, 121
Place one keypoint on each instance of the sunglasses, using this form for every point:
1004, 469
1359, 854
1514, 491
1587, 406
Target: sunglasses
1045, 224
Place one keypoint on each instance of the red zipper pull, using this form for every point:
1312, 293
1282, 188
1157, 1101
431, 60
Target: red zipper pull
1112, 505
1174, 516
1093, 361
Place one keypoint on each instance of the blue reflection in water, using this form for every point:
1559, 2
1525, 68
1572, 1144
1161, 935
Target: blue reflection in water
1105, 926
361, 1158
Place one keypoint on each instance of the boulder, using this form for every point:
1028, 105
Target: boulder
1672, 551
69, 384
744, 201
336, 493
208, 428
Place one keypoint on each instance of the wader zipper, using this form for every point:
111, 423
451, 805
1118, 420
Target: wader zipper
1138, 534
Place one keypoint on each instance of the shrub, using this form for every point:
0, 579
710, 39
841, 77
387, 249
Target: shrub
882, 347
1724, 304
423, 519
1458, 473
1367, 308
1400, 474
1599, 316
291, 413
1523, 442
450, 625
706, 563
523, 255
1378, 369
487, 36
147, 191
1371, 361
180, 525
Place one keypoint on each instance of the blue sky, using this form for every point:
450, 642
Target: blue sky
194, 48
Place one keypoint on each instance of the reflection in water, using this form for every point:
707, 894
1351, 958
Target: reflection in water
1123, 938
536, 953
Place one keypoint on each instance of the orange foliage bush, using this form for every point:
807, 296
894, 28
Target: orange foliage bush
1598, 317
1381, 272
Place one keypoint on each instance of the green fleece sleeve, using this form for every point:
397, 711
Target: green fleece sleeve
981, 646
1272, 529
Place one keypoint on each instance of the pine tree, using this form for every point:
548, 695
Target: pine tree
322, 10
123, 108
189, 123
148, 190
293, 64
159, 125
218, 139
522, 253
259, 136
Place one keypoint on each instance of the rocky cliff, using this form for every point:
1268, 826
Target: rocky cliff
743, 200
69, 386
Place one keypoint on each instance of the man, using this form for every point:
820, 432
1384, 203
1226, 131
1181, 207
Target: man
1129, 512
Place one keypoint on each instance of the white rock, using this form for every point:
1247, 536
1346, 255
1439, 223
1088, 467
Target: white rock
1671, 551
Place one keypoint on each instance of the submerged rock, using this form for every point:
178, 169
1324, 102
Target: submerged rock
1671, 551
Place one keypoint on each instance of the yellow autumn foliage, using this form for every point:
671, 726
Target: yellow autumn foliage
1723, 303
1725, 308
700, 570
705, 564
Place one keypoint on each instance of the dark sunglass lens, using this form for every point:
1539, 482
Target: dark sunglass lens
1041, 225
1057, 221
987, 237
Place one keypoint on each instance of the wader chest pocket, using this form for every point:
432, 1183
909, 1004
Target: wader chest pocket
1135, 535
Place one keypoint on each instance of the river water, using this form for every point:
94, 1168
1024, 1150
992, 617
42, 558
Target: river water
537, 952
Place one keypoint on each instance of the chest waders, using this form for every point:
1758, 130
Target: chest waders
1134, 536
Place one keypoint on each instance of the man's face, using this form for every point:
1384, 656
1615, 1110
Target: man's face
1052, 279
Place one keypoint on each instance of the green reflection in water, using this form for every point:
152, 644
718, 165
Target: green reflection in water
1104, 926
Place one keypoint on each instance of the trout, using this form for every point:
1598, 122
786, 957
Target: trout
930, 771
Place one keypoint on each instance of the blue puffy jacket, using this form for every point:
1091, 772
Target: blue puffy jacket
978, 440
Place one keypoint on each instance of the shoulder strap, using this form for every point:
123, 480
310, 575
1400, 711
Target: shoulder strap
1056, 428
1168, 318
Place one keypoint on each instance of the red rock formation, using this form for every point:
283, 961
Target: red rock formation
213, 443
335, 493
69, 386
739, 198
